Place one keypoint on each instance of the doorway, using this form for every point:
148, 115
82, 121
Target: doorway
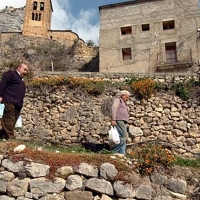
171, 55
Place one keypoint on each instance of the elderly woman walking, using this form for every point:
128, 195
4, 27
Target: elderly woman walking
119, 118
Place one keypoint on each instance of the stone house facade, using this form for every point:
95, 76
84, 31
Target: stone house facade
37, 23
147, 36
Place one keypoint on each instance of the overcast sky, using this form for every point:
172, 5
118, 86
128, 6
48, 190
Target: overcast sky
80, 16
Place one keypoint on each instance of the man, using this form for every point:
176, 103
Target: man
12, 92
120, 117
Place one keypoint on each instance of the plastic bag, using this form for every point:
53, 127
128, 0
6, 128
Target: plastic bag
113, 136
2, 106
18, 124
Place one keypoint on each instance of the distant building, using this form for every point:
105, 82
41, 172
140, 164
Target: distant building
37, 22
147, 36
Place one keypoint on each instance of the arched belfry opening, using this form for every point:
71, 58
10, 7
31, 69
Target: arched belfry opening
37, 20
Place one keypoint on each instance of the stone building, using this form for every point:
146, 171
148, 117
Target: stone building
148, 36
37, 23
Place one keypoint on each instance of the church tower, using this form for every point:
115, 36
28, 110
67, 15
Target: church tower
37, 19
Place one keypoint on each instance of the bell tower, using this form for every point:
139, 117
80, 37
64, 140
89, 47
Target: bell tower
37, 19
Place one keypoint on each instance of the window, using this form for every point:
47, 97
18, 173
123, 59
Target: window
126, 30
42, 6
126, 54
36, 16
35, 5
33, 16
168, 25
39, 17
145, 27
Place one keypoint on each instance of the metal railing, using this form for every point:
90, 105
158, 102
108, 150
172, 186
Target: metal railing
174, 57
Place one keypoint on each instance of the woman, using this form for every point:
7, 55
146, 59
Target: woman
119, 118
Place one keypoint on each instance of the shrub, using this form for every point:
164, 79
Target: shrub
95, 88
90, 43
184, 89
48, 80
150, 155
92, 86
159, 86
144, 88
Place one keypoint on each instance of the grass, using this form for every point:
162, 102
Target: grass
184, 162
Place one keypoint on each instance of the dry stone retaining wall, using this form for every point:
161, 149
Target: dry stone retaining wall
63, 116
27, 180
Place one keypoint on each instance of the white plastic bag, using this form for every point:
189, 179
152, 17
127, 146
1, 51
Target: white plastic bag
113, 136
2, 106
18, 124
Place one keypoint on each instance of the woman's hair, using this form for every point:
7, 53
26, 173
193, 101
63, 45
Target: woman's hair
125, 92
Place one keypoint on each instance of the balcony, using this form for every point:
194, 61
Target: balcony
174, 60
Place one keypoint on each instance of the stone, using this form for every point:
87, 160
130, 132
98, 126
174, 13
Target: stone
108, 171
74, 182
100, 186
18, 187
79, 195
87, 170
64, 172
123, 190
37, 169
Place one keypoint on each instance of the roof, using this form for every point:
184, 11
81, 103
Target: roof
51, 6
125, 3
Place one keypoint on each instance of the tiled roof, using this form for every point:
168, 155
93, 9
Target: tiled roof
125, 3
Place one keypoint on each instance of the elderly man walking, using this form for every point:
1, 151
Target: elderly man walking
12, 92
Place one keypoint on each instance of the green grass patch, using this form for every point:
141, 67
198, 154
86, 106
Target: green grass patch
185, 162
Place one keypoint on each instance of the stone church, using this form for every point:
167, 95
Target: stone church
37, 22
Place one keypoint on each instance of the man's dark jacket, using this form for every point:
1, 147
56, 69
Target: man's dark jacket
12, 88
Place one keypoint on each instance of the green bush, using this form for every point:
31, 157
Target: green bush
95, 88
184, 89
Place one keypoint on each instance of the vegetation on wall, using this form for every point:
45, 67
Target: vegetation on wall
185, 89
141, 88
151, 155
144, 88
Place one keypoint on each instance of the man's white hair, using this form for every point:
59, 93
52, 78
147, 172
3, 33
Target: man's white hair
125, 92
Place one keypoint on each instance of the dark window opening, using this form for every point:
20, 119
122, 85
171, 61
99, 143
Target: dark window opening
42, 6
36, 17
35, 5
168, 25
145, 27
171, 55
39, 17
33, 16
51, 37
126, 54
126, 30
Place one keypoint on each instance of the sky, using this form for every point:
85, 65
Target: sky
80, 16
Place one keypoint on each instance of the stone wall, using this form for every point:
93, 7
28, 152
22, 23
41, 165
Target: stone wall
24, 180
67, 117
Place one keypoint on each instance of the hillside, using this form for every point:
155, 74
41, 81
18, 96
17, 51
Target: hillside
11, 19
